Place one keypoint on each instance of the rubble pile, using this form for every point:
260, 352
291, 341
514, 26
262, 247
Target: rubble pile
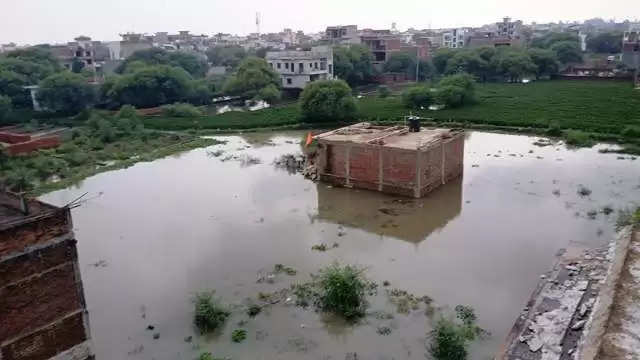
297, 163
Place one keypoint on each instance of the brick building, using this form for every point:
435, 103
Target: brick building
390, 159
42, 308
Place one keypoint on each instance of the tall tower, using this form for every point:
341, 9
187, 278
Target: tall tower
258, 23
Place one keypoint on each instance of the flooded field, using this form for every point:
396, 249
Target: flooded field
152, 235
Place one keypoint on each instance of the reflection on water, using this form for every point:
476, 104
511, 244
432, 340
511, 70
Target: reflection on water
399, 217
190, 222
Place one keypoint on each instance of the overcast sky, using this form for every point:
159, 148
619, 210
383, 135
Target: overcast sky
50, 21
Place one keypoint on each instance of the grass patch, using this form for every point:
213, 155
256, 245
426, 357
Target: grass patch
578, 138
238, 335
341, 290
209, 314
280, 268
627, 217
451, 337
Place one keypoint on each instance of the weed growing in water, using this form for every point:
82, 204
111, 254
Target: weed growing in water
209, 314
627, 217
321, 247
607, 210
279, 268
208, 356
450, 338
578, 138
584, 191
238, 335
254, 310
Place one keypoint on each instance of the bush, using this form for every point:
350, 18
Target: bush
448, 342
631, 131
182, 110
327, 101
66, 93
342, 291
269, 94
5, 108
466, 88
383, 91
554, 129
127, 112
208, 313
417, 97
19, 179
238, 335
578, 138
451, 96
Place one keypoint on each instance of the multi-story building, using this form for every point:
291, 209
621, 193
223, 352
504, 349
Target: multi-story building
508, 28
342, 34
298, 68
631, 48
382, 44
130, 43
455, 38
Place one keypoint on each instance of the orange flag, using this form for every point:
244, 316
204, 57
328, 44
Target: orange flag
309, 140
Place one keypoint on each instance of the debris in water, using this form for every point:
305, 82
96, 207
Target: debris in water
156, 336
383, 330
583, 191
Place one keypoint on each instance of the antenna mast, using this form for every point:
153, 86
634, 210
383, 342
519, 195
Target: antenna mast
258, 23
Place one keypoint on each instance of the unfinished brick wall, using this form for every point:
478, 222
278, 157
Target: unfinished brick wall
42, 306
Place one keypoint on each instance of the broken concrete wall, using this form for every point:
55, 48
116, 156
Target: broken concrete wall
42, 307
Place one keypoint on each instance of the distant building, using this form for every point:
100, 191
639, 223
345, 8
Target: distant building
342, 34
631, 48
508, 28
382, 44
8, 47
130, 43
455, 38
298, 68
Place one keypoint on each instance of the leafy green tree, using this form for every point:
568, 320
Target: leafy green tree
65, 92
514, 65
456, 90
148, 87
545, 61
38, 55
12, 85
191, 63
327, 101
567, 52
552, 38
353, 64
418, 97
441, 58
468, 62
605, 43
32, 71
400, 62
253, 75
228, 56
269, 93
201, 92
5, 108
77, 66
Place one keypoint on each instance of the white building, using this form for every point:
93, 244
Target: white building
455, 38
509, 29
298, 68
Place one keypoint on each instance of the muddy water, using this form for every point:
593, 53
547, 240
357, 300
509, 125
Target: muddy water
153, 234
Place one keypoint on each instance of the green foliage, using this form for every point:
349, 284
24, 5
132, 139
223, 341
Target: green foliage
468, 61
552, 38
383, 91
456, 90
5, 108
66, 93
627, 217
400, 62
448, 342
353, 64
450, 339
631, 131
181, 110
191, 63
567, 52
253, 310
342, 290
238, 335
269, 93
208, 313
418, 97
208, 356
253, 75
77, 66
11, 85
605, 42
127, 112
578, 138
441, 59
228, 56
201, 92
545, 61
513, 65
32, 71
149, 86
20, 179
327, 100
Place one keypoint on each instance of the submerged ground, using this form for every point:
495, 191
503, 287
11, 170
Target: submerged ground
152, 235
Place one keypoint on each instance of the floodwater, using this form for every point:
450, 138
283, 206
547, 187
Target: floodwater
152, 235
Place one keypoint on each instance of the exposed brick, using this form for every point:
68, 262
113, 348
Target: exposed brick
399, 167
38, 301
364, 164
36, 262
47, 342
19, 237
